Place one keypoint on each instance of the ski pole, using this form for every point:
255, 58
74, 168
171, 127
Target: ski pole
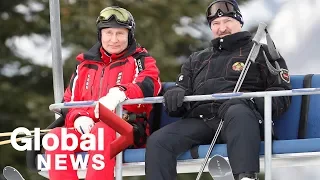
261, 31
210, 149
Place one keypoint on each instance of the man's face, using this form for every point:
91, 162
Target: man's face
114, 40
223, 26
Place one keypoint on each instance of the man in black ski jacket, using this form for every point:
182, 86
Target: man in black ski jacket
216, 69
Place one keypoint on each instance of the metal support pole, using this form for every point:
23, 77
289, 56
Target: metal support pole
268, 136
57, 66
119, 156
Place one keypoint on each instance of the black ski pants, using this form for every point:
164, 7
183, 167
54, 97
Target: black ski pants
240, 132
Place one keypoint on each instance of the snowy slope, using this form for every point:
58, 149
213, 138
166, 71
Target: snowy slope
295, 31
294, 27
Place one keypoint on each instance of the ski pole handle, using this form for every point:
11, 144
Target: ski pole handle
261, 31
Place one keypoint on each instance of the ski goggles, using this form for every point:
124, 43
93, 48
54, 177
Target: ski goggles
220, 8
121, 15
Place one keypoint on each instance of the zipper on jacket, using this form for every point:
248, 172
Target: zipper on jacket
101, 81
108, 70
101, 77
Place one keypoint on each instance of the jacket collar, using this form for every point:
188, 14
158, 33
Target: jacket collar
231, 42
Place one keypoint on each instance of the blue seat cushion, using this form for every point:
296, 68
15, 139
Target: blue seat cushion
287, 126
313, 122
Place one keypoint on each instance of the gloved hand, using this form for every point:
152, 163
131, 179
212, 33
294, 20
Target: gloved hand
227, 104
83, 124
111, 100
173, 98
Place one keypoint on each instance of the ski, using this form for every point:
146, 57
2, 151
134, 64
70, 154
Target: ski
10, 173
220, 169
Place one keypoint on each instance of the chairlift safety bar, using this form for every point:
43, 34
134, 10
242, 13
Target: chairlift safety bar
151, 100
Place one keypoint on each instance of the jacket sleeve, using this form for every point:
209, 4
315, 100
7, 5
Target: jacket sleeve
184, 81
72, 93
145, 84
278, 82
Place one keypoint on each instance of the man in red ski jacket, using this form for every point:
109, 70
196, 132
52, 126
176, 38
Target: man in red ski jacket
113, 70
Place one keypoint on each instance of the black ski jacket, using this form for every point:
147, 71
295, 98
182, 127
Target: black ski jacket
216, 69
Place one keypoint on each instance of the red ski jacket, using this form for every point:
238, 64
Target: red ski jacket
134, 70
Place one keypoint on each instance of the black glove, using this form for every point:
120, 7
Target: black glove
173, 98
227, 104
139, 134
